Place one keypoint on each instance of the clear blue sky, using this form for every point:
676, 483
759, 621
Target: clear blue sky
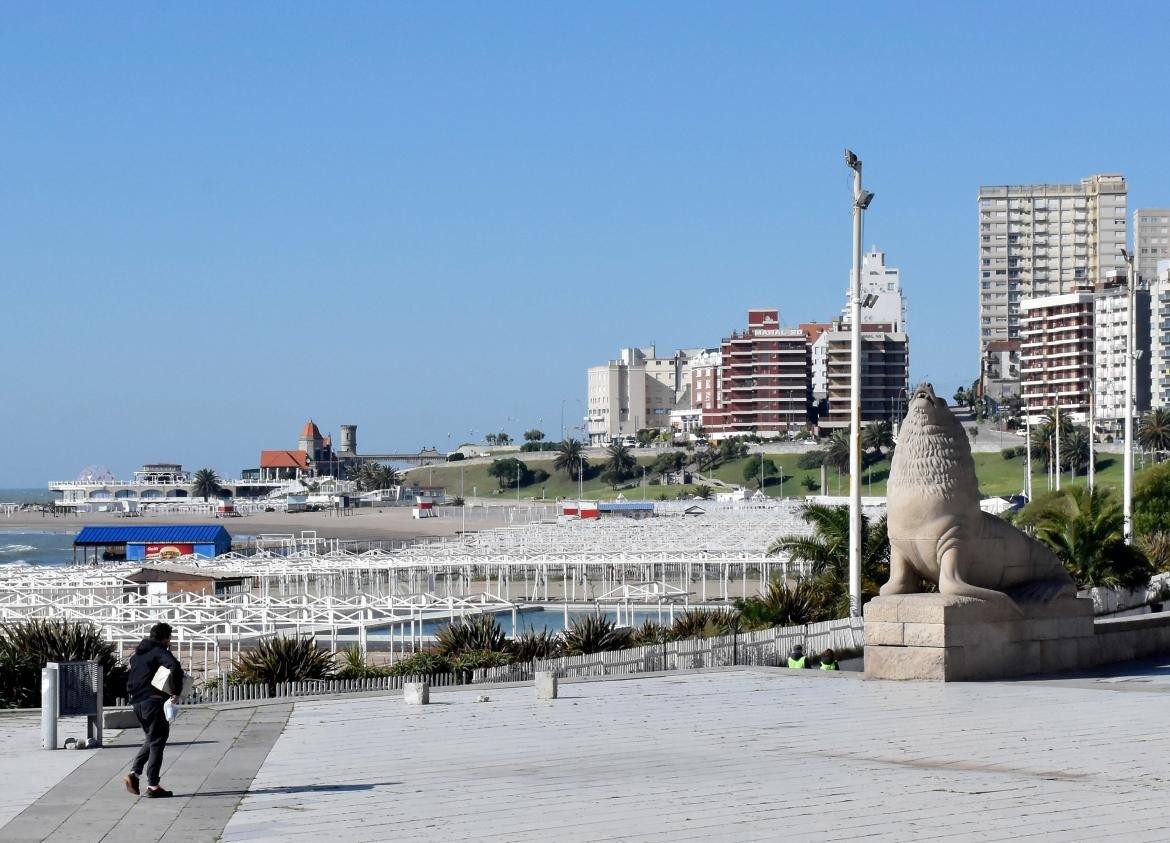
218, 220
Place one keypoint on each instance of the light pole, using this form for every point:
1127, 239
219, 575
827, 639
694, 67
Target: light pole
1130, 352
861, 200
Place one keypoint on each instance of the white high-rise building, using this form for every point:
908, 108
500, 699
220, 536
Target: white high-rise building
1044, 240
638, 390
1111, 320
1160, 335
1151, 240
881, 293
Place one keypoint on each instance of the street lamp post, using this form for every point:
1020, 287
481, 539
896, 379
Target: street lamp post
861, 200
1130, 354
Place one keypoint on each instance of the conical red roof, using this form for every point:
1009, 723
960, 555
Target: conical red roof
310, 431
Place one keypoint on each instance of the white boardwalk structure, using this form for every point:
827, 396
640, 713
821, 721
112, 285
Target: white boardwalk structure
617, 564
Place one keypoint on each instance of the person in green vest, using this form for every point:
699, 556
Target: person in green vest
829, 660
797, 659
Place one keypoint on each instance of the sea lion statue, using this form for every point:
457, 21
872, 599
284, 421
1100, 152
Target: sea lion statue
938, 532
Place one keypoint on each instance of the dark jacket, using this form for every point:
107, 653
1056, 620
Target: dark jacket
148, 657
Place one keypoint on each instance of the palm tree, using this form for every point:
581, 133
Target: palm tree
827, 550
1154, 431
1044, 441
703, 492
619, 463
206, 483
1084, 528
571, 458
371, 475
837, 451
878, 435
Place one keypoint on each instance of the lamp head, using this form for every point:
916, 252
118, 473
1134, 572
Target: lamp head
1124, 253
851, 160
863, 199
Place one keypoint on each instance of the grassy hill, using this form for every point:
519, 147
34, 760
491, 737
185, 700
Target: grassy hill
997, 476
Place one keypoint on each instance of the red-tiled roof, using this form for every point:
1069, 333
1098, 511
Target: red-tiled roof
310, 431
283, 459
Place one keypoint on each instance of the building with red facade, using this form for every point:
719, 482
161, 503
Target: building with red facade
763, 383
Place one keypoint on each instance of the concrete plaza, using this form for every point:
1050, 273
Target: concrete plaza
731, 754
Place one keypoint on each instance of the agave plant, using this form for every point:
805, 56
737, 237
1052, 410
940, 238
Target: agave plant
648, 633
594, 634
703, 623
468, 662
281, 659
26, 647
477, 634
531, 645
808, 600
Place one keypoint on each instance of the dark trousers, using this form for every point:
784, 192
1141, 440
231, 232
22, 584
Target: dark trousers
154, 723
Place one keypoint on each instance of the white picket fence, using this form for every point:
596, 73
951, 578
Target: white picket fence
766, 647
313, 687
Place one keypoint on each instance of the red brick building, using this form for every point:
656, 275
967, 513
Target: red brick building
763, 384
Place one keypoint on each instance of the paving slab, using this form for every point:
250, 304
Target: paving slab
211, 758
734, 756
26, 770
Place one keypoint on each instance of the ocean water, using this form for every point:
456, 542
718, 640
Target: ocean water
534, 619
44, 547
37, 495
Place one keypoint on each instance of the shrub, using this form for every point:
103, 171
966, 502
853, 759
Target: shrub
355, 666
594, 634
425, 663
474, 634
283, 659
808, 482
535, 645
810, 459
468, 662
539, 475
26, 646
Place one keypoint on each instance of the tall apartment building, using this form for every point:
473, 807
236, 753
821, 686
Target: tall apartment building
1151, 240
881, 293
1056, 354
1160, 335
885, 374
1111, 320
1042, 240
637, 390
763, 380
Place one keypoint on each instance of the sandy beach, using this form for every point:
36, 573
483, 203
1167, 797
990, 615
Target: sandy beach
369, 524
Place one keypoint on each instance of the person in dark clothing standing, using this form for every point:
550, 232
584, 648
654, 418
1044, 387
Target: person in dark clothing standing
151, 654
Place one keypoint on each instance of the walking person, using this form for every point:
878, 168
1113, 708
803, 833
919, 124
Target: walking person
796, 659
150, 655
829, 660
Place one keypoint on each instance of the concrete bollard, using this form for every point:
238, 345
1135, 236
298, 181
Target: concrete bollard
416, 693
546, 685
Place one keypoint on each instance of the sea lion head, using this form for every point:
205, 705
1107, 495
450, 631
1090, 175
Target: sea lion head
933, 454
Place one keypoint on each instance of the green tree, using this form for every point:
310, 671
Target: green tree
1153, 432
619, 464
1151, 500
826, 550
371, 476
646, 436
1044, 439
571, 458
533, 435
837, 451
508, 471
877, 435
490, 438
1084, 528
761, 471
703, 492
503, 438
206, 483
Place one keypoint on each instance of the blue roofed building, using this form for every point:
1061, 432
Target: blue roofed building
151, 543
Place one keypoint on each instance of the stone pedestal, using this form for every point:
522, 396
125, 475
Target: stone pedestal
416, 693
546, 685
933, 636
